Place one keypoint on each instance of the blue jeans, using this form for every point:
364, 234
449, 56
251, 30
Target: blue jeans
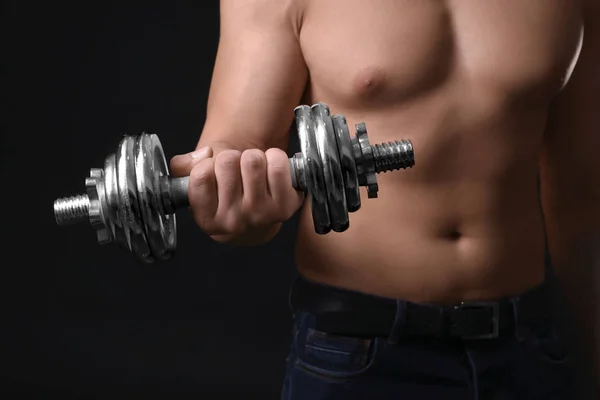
529, 365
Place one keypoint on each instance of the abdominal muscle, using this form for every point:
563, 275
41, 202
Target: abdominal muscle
463, 224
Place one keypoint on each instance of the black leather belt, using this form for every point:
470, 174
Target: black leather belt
345, 312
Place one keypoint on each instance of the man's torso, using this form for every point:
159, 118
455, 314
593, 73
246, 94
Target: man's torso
469, 83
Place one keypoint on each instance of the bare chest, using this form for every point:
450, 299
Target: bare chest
391, 51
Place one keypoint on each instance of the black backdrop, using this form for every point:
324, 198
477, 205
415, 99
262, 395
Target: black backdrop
84, 321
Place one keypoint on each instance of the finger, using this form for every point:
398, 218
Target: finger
182, 164
229, 181
202, 193
253, 165
285, 197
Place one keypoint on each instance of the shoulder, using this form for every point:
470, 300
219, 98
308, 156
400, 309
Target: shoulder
265, 12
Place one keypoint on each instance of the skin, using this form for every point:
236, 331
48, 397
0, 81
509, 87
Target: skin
490, 93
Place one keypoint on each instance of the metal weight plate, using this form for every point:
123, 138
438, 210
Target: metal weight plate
332, 171
315, 181
344, 144
110, 194
150, 167
161, 171
129, 212
111, 190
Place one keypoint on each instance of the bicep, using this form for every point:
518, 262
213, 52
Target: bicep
259, 75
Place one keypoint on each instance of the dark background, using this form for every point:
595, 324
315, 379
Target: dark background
85, 321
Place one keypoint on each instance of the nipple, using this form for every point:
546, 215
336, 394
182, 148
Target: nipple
369, 80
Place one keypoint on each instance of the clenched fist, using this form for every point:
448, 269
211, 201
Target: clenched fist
239, 197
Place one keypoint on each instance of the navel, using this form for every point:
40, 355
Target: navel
454, 236
451, 232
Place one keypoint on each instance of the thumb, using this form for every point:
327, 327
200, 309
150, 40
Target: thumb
182, 164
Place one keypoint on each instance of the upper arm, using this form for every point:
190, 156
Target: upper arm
570, 163
259, 75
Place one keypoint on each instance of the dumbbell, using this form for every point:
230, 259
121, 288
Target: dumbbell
133, 200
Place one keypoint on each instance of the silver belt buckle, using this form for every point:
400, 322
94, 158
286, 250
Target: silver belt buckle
495, 323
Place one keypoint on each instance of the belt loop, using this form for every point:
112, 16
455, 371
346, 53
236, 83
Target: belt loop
399, 322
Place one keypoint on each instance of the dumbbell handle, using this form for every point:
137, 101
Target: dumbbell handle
177, 189
178, 192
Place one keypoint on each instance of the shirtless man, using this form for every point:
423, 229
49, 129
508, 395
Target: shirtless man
402, 305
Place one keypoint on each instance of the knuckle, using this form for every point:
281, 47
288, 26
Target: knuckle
251, 207
253, 159
254, 219
232, 224
228, 159
256, 212
250, 213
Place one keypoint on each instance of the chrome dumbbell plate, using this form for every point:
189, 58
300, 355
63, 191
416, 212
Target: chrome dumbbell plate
126, 200
329, 168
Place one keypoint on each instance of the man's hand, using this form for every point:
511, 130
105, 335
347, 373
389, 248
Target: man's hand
239, 197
